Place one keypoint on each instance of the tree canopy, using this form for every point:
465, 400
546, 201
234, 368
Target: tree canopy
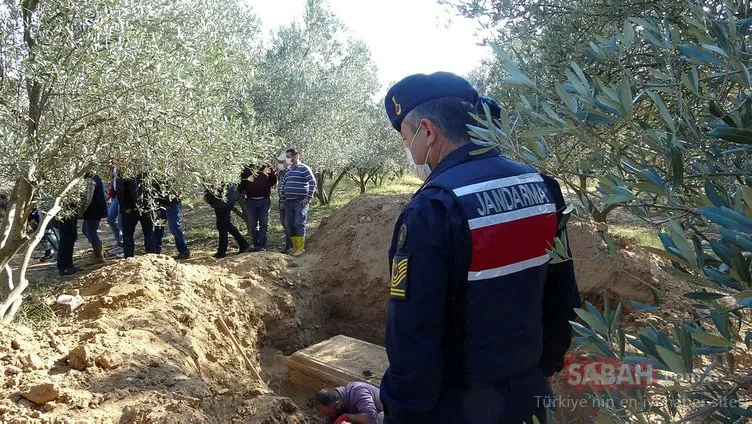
316, 91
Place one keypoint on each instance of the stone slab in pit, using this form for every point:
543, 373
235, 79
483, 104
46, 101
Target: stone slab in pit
337, 361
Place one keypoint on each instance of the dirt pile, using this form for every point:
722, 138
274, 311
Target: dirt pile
353, 269
628, 275
144, 346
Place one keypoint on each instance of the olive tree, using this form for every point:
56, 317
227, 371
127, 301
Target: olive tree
377, 150
544, 38
146, 81
314, 88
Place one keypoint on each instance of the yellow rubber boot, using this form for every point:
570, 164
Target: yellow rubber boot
298, 243
295, 244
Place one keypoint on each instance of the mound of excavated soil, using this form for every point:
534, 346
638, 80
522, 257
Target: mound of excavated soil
144, 346
353, 246
354, 270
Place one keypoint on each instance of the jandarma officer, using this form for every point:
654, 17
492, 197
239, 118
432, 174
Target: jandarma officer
478, 317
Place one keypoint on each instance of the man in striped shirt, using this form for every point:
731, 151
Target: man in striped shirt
299, 185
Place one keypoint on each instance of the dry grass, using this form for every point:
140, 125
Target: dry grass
643, 236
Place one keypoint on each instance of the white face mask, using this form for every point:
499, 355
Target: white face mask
420, 171
283, 162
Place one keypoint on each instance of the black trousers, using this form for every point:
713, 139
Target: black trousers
224, 226
68, 232
130, 221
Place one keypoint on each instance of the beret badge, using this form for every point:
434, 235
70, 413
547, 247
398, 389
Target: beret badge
397, 107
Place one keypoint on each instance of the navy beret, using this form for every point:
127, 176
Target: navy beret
415, 89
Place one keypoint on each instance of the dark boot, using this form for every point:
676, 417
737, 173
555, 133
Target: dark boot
69, 271
244, 247
48, 255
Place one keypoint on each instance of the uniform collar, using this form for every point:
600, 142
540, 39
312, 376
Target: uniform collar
458, 156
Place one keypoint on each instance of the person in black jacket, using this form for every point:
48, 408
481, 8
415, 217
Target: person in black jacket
132, 198
222, 202
67, 225
93, 209
478, 314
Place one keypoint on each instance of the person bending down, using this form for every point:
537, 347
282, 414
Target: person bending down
355, 402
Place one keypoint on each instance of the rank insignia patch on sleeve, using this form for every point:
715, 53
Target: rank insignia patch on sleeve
402, 236
398, 287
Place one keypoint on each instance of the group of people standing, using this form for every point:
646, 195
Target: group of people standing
60, 236
296, 185
130, 202
125, 204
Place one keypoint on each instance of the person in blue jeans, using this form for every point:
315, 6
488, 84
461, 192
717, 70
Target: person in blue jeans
169, 210
256, 182
172, 215
114, 218
134, 210
93, 209
300, 185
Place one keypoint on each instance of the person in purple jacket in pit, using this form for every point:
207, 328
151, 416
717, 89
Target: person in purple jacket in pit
356, 403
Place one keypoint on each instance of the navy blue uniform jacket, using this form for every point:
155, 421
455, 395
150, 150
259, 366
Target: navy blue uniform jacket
474, 301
